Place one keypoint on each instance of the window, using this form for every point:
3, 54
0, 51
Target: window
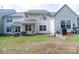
17, 29
42, 27
28, 28
68, 24
42, 17
78, 21
62, 24
8, 29
9, 19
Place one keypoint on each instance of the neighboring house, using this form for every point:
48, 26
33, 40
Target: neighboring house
12, 23
4, 12
65, 20
41, 21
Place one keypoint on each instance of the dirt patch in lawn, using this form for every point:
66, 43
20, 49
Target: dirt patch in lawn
43, 48
49, 48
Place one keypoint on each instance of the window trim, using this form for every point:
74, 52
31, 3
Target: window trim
8, 29
29, 28
78, 22
66, 24
43, 17
62, 24
9, 20
17, 29
42, 27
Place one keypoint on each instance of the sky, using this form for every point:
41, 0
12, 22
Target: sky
50, 5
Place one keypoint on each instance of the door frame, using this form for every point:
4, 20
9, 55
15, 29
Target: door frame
32, 30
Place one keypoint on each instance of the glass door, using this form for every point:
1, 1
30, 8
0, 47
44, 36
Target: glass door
28, 27
33, 28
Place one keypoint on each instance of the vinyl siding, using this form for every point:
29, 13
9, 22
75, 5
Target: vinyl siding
65, 14
8, 24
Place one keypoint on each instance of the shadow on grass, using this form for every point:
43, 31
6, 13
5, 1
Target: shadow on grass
4, 35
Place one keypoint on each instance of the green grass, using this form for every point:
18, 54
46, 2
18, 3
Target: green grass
9, 44
37, 44
22, 39
73, 38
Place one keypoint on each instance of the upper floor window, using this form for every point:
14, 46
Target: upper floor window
9, 19
42, 17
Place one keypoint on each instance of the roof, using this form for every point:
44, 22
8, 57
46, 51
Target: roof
16, 24
29, 20
62, 8
17, 14
52, 13
4, 12
38, 12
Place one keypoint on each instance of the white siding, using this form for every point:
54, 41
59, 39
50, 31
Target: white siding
41, 22
44, 22
8, 24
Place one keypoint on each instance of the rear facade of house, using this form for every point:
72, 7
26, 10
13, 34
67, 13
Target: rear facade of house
63, 21
31, 22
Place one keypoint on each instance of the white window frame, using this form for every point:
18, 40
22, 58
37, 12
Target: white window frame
8, 29
17, 29
78, 21
66, 23
42, 27
42, 17
29, 27
9, 19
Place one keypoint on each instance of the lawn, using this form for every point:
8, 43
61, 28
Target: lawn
41, 44
74, 38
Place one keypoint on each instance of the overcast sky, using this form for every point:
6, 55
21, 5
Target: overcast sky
51, 5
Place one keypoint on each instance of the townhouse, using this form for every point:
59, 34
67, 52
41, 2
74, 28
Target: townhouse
64, 21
